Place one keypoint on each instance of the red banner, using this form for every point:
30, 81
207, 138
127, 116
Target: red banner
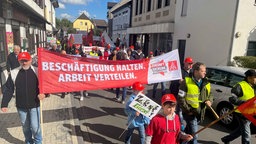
66, 73
248, 109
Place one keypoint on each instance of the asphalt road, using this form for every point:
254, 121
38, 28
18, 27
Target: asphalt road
102, 120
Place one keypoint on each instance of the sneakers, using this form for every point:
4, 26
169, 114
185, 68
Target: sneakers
81, 98
117, 99
85, 93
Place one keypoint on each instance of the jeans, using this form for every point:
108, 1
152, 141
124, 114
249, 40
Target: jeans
163, 88
30, 120
242, 130
141, 130
123, 94
191, 127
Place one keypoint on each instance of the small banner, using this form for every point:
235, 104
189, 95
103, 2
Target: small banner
145, 106
66, 73
248, 109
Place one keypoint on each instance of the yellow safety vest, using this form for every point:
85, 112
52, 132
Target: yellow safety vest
193, 92
248, 92
93, 54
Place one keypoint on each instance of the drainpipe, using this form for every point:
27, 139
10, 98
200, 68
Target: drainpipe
233, 32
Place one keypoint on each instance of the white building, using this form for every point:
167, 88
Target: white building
121, 13
214, 31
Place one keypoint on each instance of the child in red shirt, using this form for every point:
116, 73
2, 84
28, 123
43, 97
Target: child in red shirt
164, 128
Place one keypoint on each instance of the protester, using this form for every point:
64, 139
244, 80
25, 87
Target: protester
164, 128
135, 119
12, 59
24, 82
242, 92
194, 94
107, 52
174, 86
93, 52
54, 48
121, 56
140, 54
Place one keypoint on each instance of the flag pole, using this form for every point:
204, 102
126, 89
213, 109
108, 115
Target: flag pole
215, 121
127, 127
41, 117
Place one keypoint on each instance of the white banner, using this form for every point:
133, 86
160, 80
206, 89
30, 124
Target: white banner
165, 67
145, 106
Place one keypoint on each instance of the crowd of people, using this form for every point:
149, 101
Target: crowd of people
183, 107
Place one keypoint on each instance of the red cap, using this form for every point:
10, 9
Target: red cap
131, 47
108, 46
168, 97
24, 56
188, 60
151, 53
138, 86
117, 48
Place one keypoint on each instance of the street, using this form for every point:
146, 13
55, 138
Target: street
98, 119
103, 120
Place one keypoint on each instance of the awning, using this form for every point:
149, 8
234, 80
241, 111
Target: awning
155, 28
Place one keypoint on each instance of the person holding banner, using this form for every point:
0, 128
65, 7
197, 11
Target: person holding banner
165, 126
242, 92
24, 82
194, 95
135, 119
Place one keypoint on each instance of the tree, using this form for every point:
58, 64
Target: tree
65, 25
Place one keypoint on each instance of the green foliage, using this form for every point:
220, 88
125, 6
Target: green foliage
245, 61
97, 32
65, 24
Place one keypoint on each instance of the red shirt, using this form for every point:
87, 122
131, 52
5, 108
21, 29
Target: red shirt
159, 132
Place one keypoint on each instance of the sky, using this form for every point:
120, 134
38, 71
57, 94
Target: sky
72, 9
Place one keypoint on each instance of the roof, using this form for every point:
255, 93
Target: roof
100, 23
83, 16
235, 70
118, 5
111, 4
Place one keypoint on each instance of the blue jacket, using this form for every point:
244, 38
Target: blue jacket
139, 120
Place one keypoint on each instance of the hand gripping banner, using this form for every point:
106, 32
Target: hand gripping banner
66, 73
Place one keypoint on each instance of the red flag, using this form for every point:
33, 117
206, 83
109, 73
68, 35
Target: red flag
248, 109
71, 40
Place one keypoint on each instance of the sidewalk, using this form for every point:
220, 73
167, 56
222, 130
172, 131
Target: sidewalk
59, 122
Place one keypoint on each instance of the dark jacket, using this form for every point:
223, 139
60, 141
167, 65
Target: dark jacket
186, 108
12, 62
238, 92
25, 83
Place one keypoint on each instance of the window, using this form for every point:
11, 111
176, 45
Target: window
81, 23
167, 3
136, 7
149, 5
141, 6
159, 4
2, 46
251, 51
85, 23
217, 77
234, 79
184, 8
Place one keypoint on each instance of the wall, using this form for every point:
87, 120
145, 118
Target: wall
246, 25
210, 25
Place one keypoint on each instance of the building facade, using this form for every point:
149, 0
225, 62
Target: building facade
215, 31
83, 23
24, 23
121, 22
152, 24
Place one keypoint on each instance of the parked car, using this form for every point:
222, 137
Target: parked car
222, 79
